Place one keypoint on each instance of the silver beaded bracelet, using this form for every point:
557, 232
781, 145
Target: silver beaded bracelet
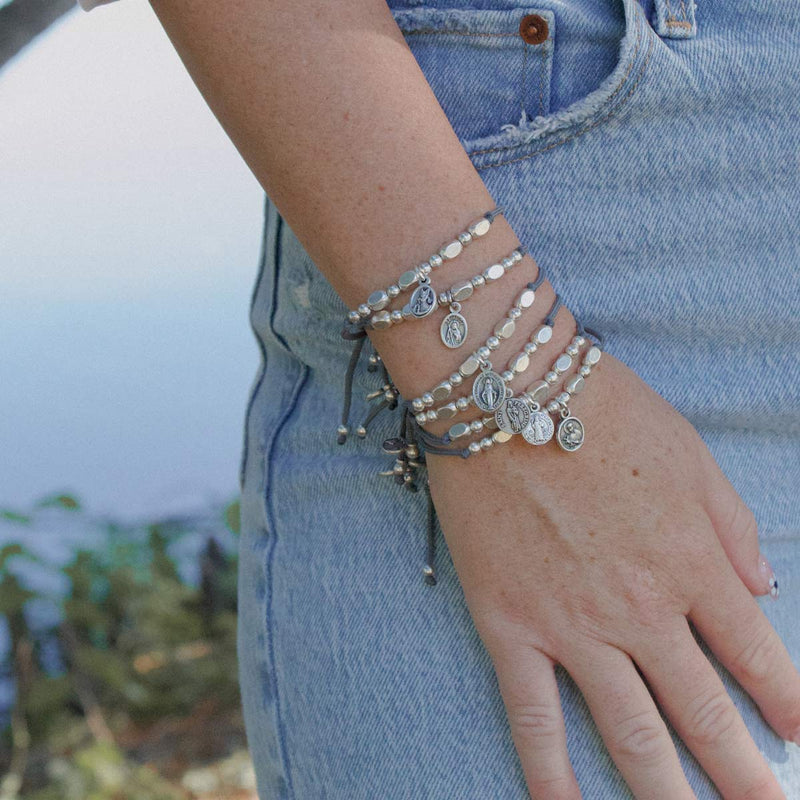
423, 299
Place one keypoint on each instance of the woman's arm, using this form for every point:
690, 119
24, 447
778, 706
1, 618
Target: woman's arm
590, 561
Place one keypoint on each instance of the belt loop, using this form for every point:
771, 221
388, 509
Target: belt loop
675, 19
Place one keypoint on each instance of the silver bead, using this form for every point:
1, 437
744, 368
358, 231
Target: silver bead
444, 298
424, 268
469, 366
494, 272
462, 404
486, 442
579, 340
526, 299
462, 290
458, 430
507, 375
342, 430
515, 313
432, 415
446, 412
551, 377
520, 363
478, 280
517, 256
465, 237
563, 363
474, 447
450, 251
378, 300
483, 352
530, 348
393, 290
456, 379
364, 310
396, 316
505, 329
417, 404
507, 263
544, 334
427, 399
361, 431
592, 355
421, 418
408, 279
553, 407
500, 436
493, 343
442, 391
574, 384
562, 397
354, 317
539, 391
476, 426
381, 320
585, 371
572, 349
480, 227
436, 260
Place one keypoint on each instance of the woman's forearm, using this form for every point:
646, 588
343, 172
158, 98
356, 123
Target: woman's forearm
332, 113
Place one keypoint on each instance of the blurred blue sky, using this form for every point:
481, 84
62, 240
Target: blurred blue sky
129, 239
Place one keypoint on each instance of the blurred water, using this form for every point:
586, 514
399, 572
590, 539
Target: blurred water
129, 237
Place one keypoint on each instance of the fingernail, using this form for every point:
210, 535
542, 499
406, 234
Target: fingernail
769, 575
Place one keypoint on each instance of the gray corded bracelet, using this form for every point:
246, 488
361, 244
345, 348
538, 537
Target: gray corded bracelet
527, 414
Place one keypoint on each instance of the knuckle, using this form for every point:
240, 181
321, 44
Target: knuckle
535, 722
756, 661
711, 717
640, 737
743, 526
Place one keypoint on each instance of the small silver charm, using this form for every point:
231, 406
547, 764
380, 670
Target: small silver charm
513, 416
423, 299
488, 391
540, 428
570, 433
454, 327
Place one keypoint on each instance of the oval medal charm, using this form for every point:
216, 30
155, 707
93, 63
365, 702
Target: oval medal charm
488, 391
513, 416
540, 428
570, 434
453, 330
423, 300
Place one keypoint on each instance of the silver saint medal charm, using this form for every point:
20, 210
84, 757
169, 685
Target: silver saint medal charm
570, 434
423, 300
454, 327
540, 428
488, 391
513, 416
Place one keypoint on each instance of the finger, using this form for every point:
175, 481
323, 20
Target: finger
527, 681
740, 635
737, 531
628, 720
689, 690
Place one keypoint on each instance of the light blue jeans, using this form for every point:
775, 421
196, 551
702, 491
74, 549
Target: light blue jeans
648, 156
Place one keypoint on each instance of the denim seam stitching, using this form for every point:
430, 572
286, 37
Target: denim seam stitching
289, 410
577, 133
606, 102
262, 348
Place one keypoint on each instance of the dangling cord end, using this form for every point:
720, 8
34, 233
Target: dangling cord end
428, 570
343, 430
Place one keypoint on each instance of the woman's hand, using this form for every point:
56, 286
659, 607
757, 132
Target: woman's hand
595, 560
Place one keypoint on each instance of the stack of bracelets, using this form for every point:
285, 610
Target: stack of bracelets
505, 414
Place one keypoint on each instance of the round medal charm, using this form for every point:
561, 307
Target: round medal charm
453, 330
570, 434
513, 416
423, 300
488, 391
540, 428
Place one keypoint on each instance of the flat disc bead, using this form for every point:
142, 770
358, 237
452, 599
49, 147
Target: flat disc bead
461, 291
442, 391
495, 272
378, 300
446, 412
563, 363
505, 329
407, 279
544, 334
451, 250
526, 299
592, 355
458, 430
520, 363
498, 437
574, 384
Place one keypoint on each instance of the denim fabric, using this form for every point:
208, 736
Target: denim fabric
647, 154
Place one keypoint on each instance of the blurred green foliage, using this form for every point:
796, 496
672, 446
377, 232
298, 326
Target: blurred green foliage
129, 691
